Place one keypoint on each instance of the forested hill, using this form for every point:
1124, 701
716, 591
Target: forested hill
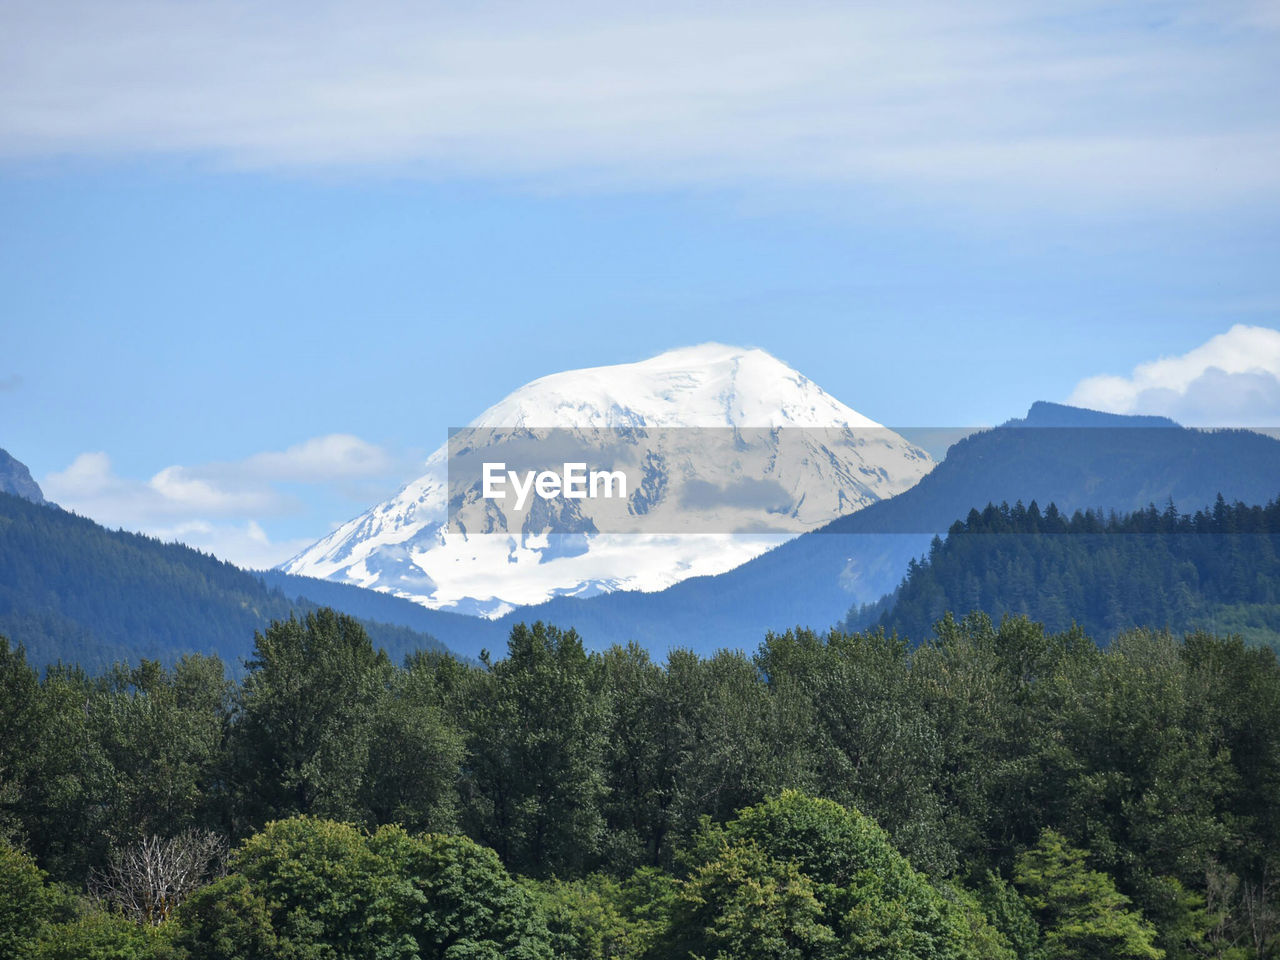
1079, 459
460, 633
72, 590
1217, 568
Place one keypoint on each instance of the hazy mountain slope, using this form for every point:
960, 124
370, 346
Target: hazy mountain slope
817, 577
455, 630
69, 588
402, 546
73, 590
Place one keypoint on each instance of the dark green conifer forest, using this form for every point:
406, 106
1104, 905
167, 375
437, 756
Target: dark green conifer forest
995, 790
74, 591
1217, 569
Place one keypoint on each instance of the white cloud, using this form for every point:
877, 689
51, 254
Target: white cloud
90, 486
89, 475
337, 456
219, 507
1231, 380
1158, 100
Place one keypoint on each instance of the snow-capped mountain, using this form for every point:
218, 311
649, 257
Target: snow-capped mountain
714, 439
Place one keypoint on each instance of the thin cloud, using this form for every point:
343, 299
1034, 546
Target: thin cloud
1156, 102
1232, 380
91, 486
337, 456
220, 507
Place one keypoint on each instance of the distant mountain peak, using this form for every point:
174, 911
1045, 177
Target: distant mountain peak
403, 545
1046, 414
15, 478
707, 385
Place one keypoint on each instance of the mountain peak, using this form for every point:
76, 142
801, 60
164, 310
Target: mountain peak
698, 354
1046, 414
15, 478
706, 385
780, 430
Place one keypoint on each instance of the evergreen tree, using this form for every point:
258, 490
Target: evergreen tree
1082, 913
534, 780
306, 714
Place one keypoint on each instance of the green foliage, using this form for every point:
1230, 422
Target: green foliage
1137, 757
227, 920
103, 936
315, 888
1009, 913
1160, 757
42, 921
536, 723
647, 900
1081, 911
986, 939
868, 737
21, 720
810, 878
602, 918
24, 902
104, 761
743, 904
1215, 569
1239, 696
1179, 916
640, 760
586, 920
96, 762
324, 887
415, 753
61, 805
462, 902
307, 710
731, 747
161, 735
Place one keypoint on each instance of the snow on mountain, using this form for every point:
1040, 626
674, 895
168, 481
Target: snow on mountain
778, 431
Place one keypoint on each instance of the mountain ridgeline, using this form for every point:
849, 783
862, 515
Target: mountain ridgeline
69, 589
1215, 569
1077, 459
73, 591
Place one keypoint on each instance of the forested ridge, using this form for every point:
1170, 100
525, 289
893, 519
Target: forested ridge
992, 791
1217, 568
77, 592
1078, 459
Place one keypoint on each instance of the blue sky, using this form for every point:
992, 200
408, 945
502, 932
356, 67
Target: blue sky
226, 235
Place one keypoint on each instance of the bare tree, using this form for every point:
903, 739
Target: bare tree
148, 879
1260, 914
